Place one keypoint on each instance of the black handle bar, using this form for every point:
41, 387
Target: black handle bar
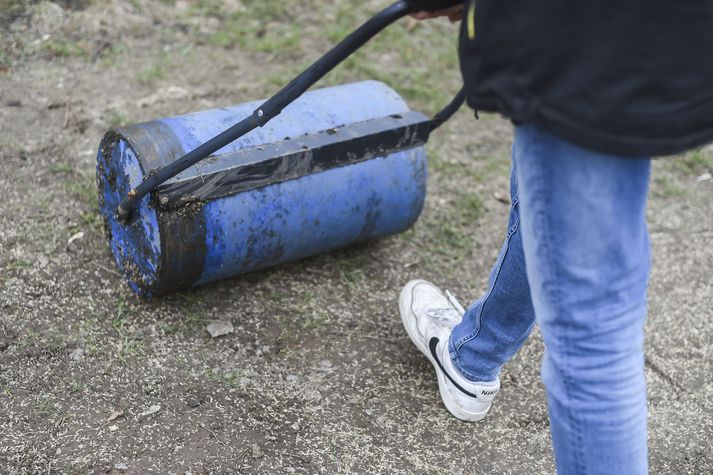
273, 106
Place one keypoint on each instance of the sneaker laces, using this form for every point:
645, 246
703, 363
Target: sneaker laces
450, 315
454, 302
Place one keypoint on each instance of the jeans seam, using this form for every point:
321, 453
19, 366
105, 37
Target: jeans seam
465, 339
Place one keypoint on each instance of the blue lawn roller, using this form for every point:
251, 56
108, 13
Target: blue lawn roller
183, 206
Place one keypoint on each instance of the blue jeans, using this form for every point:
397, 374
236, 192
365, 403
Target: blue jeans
575, 260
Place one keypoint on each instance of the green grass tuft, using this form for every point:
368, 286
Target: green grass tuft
63, 48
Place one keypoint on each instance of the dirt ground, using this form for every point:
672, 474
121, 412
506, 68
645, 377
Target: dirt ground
318, 376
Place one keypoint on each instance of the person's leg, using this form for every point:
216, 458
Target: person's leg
587, 252
496, 325
467, 349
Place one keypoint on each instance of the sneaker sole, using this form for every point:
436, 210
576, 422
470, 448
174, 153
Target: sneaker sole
448, 400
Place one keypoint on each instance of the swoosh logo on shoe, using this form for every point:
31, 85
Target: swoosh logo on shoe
432, 344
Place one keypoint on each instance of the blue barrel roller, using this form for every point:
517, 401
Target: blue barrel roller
339, 166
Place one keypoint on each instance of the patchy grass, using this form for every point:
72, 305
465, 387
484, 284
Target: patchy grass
46, 406
454, 231
447, 232
281, 42
16, 264
118, 119
695, 162
11, 9
81, 184
63, 48
318, 374
193, 320
260, 27
130, 342
426, 84
666, 187
293, 31
353, 278
89, 331
313, 313
152, 73
11, 149
8, 53
672, 176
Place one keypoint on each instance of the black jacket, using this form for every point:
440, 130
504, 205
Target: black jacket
625, 77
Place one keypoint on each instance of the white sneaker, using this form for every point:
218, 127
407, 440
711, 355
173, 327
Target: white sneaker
429, 315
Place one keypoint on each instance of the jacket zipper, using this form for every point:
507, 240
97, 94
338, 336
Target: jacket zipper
470, 20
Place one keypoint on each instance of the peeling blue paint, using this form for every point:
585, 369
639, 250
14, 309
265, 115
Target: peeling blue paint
161, 250
136, 247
